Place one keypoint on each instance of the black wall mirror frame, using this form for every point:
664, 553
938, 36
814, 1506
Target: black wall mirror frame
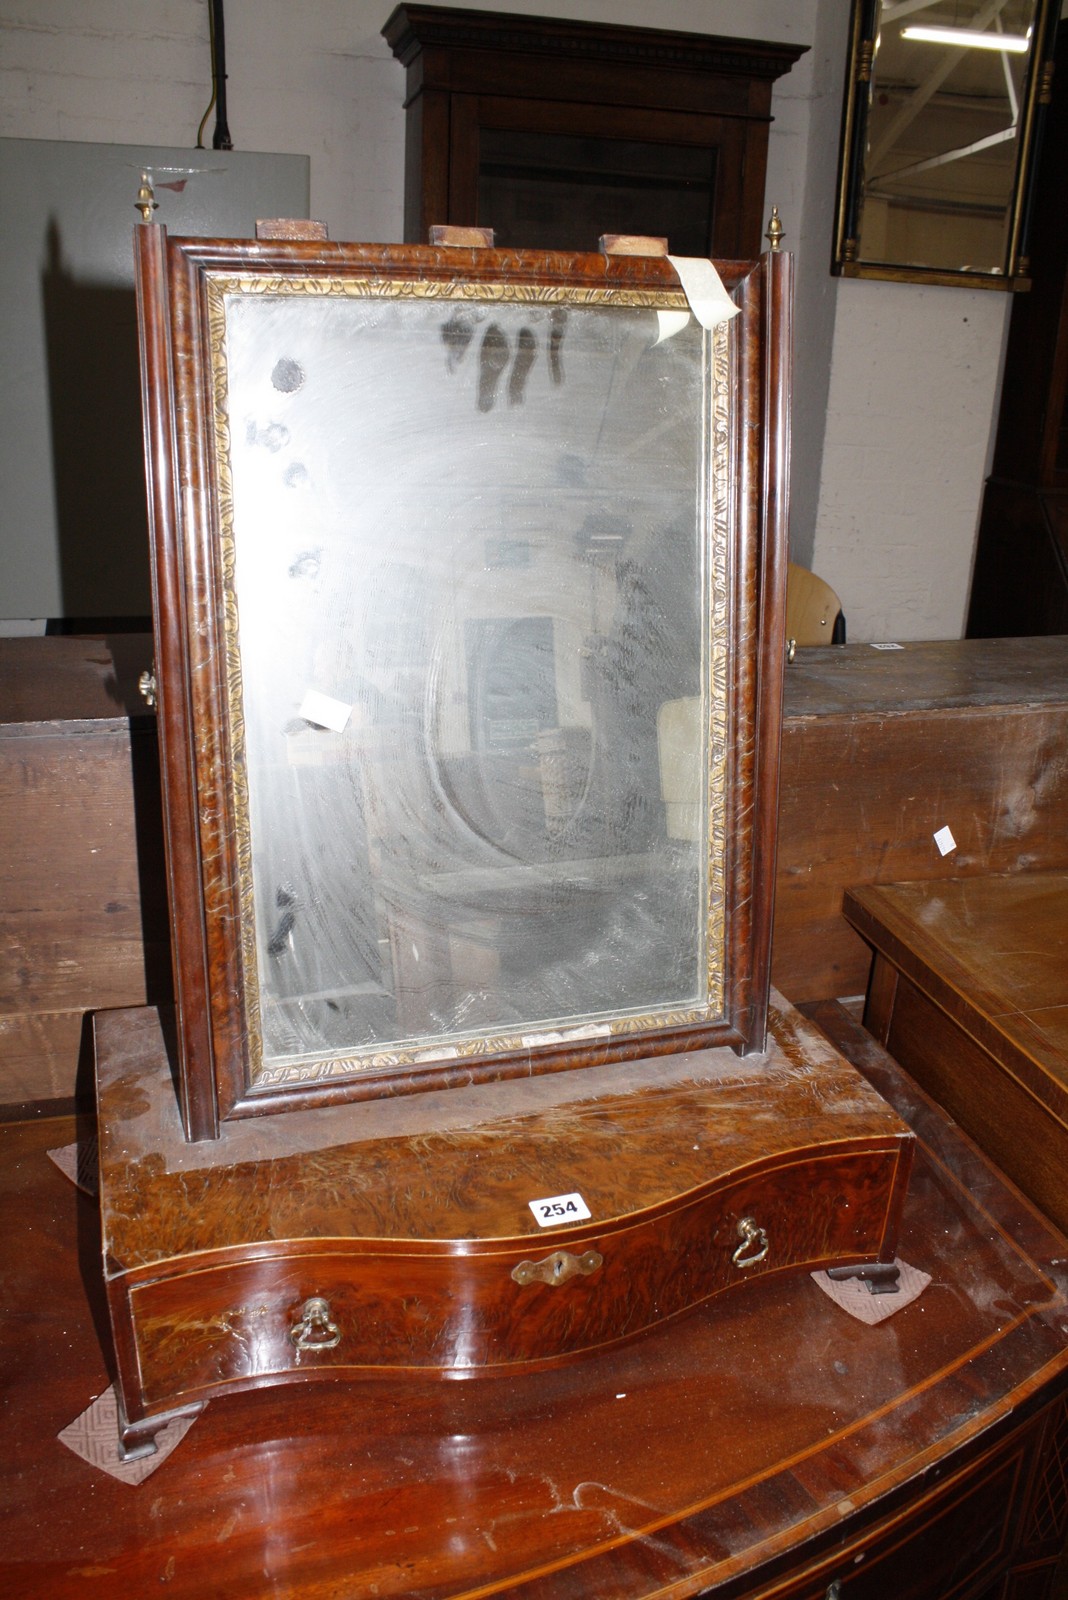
940, 142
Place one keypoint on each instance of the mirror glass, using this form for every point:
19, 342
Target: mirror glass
472, 584
942, 129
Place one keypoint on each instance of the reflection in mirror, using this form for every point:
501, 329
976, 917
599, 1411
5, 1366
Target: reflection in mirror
940, 126
469, 587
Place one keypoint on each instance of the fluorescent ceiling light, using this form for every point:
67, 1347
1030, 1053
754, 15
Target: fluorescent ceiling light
969, 39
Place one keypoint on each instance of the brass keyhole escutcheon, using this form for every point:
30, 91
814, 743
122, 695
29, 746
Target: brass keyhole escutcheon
558, 1268
315, 1330
754, 1246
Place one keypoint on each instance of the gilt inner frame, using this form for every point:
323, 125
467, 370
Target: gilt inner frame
310, 1066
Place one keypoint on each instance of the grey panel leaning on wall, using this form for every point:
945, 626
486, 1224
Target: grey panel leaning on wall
73, 531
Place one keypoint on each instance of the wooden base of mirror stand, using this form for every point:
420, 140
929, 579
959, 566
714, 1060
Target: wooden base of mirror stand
470, 1231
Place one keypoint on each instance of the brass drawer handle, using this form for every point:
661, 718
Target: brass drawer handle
754, 1239
557, 1268
315, 1330
147, 685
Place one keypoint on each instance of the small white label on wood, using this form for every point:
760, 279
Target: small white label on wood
888, 647
559, 1208
945, 841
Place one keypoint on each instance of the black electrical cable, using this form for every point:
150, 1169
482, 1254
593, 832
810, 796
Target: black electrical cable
221, 139
211, 103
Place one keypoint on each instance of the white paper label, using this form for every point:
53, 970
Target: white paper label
888, 647
945, 841
324, 711
703, 287
558, 1209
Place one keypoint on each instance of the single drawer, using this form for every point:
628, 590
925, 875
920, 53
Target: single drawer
229, 1320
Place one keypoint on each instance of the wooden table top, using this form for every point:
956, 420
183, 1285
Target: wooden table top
993, 953
733, 1444
862, 680
77, 679
83, 677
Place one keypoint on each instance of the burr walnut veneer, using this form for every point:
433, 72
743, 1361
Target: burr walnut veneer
400, 1235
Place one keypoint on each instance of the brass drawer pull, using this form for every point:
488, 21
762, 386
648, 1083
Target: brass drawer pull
754, 1239
315, 1330
147, 685
557, 1268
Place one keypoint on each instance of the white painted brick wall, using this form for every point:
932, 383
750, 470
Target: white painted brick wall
910, 416
896, 497
314, 79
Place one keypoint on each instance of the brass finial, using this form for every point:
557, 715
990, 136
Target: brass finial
775, 229
146, 201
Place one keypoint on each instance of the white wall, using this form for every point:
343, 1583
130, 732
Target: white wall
911, 385
814, 119
311, 78
915, 378
314, 78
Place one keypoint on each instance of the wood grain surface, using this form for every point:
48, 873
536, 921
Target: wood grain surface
970, 989
83, 918
85, 834
883, 748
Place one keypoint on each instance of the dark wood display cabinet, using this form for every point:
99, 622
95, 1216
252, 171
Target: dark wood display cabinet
553, 131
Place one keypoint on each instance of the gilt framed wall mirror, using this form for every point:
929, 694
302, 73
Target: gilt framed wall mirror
468, 610
943, 113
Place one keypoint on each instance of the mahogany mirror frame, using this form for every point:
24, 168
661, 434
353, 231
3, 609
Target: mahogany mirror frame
198, 741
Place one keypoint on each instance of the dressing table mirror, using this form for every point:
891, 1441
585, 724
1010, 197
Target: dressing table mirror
469, 570
463, 605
